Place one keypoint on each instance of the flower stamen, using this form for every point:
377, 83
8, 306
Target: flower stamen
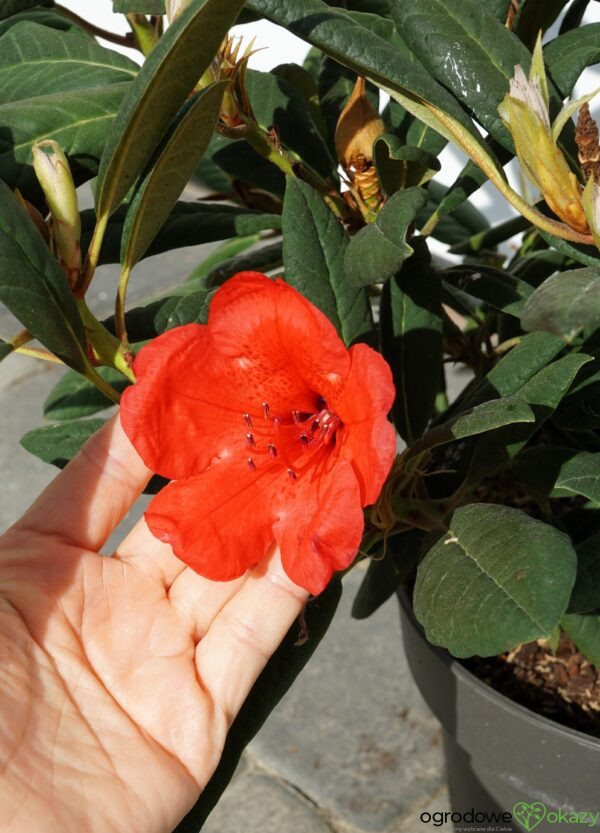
251, 464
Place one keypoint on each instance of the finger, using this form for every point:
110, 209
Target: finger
198, 600
92, 494
155, 558
245, 634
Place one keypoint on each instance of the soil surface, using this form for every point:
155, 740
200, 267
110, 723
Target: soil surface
563, 686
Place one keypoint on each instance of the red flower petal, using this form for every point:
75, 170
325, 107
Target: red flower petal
320, 530
219, 523
368, 439
280, 340
175, 415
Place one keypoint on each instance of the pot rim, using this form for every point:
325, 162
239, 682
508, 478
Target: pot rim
486, 691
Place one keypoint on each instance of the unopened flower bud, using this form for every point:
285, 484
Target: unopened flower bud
54, 175
358, 126
524, 112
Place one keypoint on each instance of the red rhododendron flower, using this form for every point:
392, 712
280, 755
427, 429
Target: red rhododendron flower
271, 429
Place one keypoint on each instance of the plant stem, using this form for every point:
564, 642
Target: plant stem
108, 348
474, 151
91, 258
20, 339
94, 377
144, 33
113, 37
120, 327
38, 353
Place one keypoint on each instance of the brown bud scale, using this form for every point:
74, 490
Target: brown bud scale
586, 136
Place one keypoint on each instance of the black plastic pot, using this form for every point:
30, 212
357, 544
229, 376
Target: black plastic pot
499, 753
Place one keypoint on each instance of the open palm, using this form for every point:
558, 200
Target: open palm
119, 676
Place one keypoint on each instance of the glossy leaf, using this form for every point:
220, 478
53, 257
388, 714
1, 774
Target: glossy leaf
33, 286
186, 309
584, 630
581, 476
314, 243
565, 303
189, 224
586, 593
276, 103
543, 393
411, 131
169, 173
219, 255
534, 17
586, 255
160, 88
379, 249
74, 397
467, 48
411, 341
496, 579
499, 289
78, 120
568, 55
264, 259
459, 219
36, 60
387, 571
57, 444
401, 166
393, 67
238, 160
277, 677
488, 416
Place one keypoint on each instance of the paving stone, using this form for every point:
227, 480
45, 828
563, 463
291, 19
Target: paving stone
354, 733
255, 803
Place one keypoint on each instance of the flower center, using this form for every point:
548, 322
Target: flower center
284, 440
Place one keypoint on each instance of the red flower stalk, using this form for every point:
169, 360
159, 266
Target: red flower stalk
271, 429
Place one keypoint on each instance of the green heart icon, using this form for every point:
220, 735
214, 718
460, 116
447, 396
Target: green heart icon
530, 815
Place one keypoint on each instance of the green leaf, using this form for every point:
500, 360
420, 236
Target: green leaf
458, 218
496, 579
586, 593
387, 571
565, 303
534, 17
581, 475
277, 677
499, 289
392, 66
160, 88
537, 469
314, 243
169, 173
411, 340
33, 286
189, 224
10, 7
584, 630
73, 396
139, 6
379, 249
275, 102
580, 410
465, 47
400, 166
78, 120
586, 255
225, 252
411, 130
180, 310
36, 60
263, 259
568, 55
45, 17
488, 416
543, 392
57, 444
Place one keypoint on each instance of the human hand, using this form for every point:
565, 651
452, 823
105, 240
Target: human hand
119, 676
